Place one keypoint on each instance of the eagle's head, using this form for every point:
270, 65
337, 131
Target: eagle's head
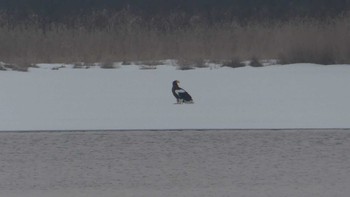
175, 83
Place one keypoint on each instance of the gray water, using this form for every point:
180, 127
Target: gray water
176, 163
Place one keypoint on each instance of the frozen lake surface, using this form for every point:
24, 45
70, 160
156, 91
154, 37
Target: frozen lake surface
207, 163
277, 96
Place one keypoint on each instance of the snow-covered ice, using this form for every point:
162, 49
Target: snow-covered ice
289, 96
205, 163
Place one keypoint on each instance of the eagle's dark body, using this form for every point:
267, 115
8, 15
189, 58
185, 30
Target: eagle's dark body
180, 94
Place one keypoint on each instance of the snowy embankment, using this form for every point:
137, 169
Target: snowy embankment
289, 96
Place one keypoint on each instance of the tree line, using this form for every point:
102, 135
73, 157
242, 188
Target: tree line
212, 11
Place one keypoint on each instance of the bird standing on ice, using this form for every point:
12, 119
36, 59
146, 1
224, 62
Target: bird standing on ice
180, 94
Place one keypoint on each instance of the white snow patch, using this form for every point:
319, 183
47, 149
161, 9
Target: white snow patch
290, 96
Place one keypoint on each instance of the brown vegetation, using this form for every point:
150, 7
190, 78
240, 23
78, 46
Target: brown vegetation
128, 38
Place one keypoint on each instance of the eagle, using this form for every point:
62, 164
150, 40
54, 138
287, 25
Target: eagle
180, 94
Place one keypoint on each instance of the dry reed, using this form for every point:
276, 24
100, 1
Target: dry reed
132, 39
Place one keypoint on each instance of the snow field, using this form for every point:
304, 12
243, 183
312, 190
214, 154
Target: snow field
290, 96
